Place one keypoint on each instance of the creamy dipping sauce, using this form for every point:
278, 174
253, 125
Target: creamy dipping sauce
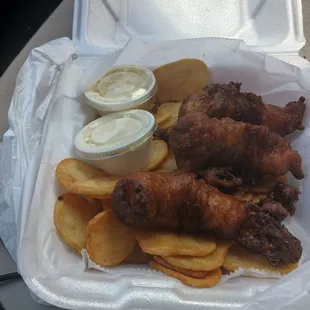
118, 143
123, 87
112, 132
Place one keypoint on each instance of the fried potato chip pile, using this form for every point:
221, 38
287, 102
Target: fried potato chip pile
84, 218
78, 177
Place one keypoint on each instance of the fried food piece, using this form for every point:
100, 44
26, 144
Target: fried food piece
159, 155
93, 201
137, 256
190, 273
274, 208
71, 216
177, 80
198, 142
247, 196
106, 204
226, 100
238, 257
169, 243
212, 278
212, 89
169, 164
161, 117
204, 263
178, 201
284, 120
236, 177
78, 177
220, 177
286, 195
171, 111
161, 134
279, 202
264, 185
108, 241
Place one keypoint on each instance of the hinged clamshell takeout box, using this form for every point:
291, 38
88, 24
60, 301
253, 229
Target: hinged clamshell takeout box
238, 40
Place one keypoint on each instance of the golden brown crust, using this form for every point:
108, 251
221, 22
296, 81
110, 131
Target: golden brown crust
178, 201
226, 100
199, 142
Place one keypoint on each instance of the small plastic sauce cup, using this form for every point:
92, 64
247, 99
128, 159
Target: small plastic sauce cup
122, 88
118, 143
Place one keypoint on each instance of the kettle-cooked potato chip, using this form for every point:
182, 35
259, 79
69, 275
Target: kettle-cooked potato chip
212, 278
78, 177
169, 243
108, 241
160, 117
189, 273
93, 201
177, 80
169, 164
205, 263
169, 109
239, 257
71, 216
160, 153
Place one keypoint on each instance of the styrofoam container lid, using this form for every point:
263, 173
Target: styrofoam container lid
274, 27
114, 134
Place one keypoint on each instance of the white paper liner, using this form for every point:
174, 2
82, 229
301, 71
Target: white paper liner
44, 257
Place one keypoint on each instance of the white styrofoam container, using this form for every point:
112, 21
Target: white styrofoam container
267, 26
273, 27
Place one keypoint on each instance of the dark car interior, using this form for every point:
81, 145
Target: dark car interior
19, 21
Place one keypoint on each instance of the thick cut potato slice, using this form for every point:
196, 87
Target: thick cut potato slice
205, 263
71, 216
177, 80
169, 164
189, 273
169, 243
160, 153
108, 241
171, 111
106, 204
78, 177
239, 257
161, 118
211, 279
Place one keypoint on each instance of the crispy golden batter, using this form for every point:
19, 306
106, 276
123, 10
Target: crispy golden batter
226, 100
238, 257
179, 201
199, 142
